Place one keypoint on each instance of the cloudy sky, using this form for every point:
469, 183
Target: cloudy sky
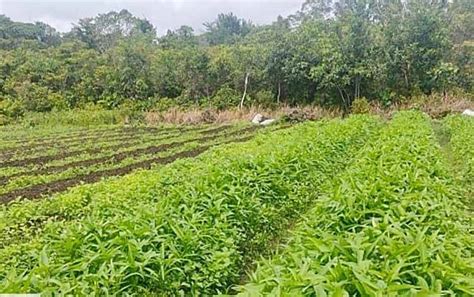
164, 14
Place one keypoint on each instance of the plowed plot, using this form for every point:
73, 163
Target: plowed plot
31, 167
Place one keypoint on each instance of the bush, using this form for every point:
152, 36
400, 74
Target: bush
360, 106
131, 112
12, 108
57, 101
4, 120
224, 98
264, 99
163, 104
34, 97
92, 115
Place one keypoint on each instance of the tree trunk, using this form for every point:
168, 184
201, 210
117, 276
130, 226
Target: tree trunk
342, 97
245, 90
345, 103
405, 73
355, 89
357, 82
279, 93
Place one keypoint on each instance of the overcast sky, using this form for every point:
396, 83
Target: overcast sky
164, 14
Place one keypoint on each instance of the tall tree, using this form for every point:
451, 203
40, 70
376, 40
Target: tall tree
14, 34
182, 37
105, 30
227, 29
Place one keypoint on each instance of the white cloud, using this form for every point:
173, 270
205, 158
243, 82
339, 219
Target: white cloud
164, 14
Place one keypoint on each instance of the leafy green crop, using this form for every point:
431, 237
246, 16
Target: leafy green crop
461, 130
190, 227
392, 224
29, 178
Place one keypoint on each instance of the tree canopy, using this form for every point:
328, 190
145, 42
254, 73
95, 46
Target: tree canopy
328, 53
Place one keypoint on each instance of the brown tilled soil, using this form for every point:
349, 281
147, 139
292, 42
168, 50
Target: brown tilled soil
37, 191
123, 155
69, 140
66, 146
41, 160
100, 133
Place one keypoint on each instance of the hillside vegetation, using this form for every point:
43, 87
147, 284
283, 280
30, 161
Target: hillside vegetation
325, 54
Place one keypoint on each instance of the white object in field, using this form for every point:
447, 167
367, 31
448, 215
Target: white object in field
267, 122
257, 119
468, 112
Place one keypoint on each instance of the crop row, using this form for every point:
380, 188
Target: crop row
41, 134
462, 142
12, 149
98, 155
392, 224
54, 178
39, 155
21, 135
43, 210
53, 157
461, 130
70, 144
188, 227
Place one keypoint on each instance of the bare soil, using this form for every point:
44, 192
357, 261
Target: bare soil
38, 191
67, 139
41, 160
115, 158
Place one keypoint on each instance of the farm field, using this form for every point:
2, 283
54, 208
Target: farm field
360, 206
32, 166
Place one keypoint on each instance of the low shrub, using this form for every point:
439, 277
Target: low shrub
360, 106
225, 98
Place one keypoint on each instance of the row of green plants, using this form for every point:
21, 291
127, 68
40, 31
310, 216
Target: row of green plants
14, 113
13, 134
45, 211
461, 132
82, 143
392, 224
19, 140
190, 227
80, 152
11, 138
16, 133
106, 144
195, 140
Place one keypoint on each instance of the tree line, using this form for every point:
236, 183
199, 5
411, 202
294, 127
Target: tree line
328, 53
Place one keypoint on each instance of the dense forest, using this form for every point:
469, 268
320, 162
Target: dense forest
328, 53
